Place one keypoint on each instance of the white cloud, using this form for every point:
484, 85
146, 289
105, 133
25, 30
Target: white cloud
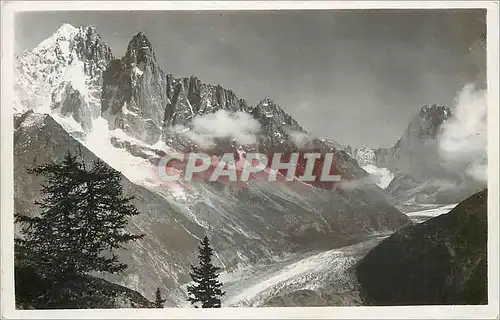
463, 141
238, 126
299, 138
350, 185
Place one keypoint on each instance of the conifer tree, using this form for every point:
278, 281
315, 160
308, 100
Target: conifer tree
82, 220
206, 288
159, 301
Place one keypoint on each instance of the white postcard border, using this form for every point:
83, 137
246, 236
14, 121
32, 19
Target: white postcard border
489, 311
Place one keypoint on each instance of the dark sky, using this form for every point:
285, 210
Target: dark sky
357, 76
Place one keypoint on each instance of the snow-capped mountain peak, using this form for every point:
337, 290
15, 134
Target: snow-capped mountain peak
74, 57
65, 33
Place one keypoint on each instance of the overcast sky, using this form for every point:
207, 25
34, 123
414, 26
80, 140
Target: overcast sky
354, 76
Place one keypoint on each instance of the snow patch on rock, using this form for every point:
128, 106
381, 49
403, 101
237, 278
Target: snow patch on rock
99, 142
380, 176
32, 120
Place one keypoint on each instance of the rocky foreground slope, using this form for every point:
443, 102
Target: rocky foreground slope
80, 292
440, 261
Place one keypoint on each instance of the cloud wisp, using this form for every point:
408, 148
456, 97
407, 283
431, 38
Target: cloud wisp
205, 129
463, 140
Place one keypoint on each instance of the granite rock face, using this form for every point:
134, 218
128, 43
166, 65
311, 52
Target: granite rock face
69, 102
134, 92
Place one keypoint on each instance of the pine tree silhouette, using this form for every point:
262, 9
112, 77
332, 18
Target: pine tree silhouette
159, 301
82, 221
206, 288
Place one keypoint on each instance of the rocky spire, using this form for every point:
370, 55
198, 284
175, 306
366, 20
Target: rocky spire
140, 51
135, 91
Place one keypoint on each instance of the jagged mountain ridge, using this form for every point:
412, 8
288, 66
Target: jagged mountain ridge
260, 223
137, 97
143, 97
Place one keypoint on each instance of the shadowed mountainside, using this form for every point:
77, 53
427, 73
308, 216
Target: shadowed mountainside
440, 261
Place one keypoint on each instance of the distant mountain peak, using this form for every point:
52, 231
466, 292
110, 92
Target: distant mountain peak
140, 49
71, 54
65, 33
267, 100
68, 38
434, 109
267, 105
430, 119
66, 28
139, 40
91, 32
